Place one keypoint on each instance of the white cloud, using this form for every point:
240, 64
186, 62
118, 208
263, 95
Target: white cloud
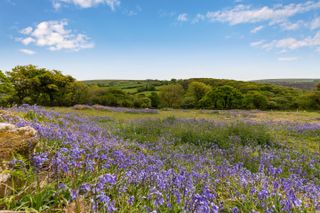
198, 18
287, 59
56, 5
241, 14
315, 23
291, 43
182, 17
257, 29
54, 36
26, 30
257, 43
27, 51
113, 4
286, 25
27, 40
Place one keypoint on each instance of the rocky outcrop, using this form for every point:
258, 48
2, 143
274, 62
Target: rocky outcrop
14, 140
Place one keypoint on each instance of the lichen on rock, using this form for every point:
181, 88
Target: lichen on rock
14, 140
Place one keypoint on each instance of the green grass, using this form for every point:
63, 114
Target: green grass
300, 142
128, 86
200, 133
244, 136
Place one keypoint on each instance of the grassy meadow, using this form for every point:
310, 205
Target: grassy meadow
169, 160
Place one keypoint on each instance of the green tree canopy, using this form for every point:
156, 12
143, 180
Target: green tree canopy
171, 95
35, 85
6, 89
255, 100
197, 90
155, 100
223, 97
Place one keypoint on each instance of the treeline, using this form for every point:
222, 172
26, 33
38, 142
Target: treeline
33, 85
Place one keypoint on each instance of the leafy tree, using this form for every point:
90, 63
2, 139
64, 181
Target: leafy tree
223, 97
6, 90
142, 102
155, 100
189, 102
171, 95
75, 93
314, 100
197, 90
318, 87
26, 82
35, 85
255, 100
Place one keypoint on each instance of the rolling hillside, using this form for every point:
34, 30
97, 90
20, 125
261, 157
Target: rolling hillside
306, 84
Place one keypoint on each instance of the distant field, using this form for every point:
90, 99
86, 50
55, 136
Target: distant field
132, 86
306, 84
129, 86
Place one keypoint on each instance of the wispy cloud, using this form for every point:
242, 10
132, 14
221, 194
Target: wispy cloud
241, 14
287, 59
290, 43
113, 4
286, 25
182, 17
198, 18
26, 30
256, 29
132, 12
54, 36
257, 43
315, 23
27, 51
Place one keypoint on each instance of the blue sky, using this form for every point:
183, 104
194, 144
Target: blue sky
163, 39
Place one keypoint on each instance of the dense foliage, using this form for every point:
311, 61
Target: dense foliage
306, 84
6, 89
33, 85
96, 164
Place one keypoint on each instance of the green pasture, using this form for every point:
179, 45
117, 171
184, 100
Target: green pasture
276, 122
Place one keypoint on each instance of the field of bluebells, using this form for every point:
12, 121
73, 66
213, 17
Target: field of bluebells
98, 164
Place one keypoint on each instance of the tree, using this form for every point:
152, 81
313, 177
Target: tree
35, 85
141, 101
155, 100
6, 90
171, 95
75, 93
25, 82
197, 90
314, 100
255, 100
223, 97
318, 87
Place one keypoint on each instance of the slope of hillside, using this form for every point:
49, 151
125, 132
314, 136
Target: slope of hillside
306, 84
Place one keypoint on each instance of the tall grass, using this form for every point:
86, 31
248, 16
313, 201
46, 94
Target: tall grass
198, 132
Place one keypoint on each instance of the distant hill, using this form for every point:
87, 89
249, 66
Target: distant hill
306, 84
278, 94
137, 86
129, 86
146, 87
